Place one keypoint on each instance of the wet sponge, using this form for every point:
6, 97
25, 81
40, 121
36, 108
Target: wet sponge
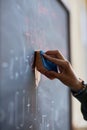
48, 64
42, 64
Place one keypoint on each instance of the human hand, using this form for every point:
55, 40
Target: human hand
66, 73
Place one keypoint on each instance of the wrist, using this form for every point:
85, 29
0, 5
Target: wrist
81, 89
78, 86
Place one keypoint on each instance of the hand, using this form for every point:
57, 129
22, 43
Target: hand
66, 73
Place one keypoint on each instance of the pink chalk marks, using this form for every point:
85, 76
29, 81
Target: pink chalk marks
42, 10
36, 41
36, 38
27, 34
54, 15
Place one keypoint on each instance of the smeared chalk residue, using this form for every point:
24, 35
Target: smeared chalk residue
28, 105
27, 68
31, 126
20, 64
11, 68
48, 125
16, 58
23, 109
16, 75
16, 109
11, 113
43, 124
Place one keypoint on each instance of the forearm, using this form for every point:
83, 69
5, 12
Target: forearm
82, 97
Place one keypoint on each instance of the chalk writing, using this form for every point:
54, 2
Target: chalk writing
42, 10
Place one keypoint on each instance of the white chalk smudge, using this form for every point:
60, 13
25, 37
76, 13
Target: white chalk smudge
52, 102
23, 109
43, 124
11, 68
11, 113
26, 60
18, 7
16, 109
21, 125
31, 126
28, 57
48, 125
16, 75
16, 58
35, 119
21, 65
24, 91
28, 105
27, 68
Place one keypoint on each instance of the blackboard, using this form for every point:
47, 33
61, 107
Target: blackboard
26, 26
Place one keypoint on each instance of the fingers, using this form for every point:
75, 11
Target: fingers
54, 60
56, 53
52, 75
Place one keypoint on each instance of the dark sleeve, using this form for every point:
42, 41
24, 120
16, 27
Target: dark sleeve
83, 100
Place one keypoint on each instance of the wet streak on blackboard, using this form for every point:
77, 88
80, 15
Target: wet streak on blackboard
16, 110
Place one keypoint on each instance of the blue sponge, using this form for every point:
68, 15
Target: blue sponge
48, 64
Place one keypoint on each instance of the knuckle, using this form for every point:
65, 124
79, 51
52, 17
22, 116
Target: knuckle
52, 78
67, 63
56, 51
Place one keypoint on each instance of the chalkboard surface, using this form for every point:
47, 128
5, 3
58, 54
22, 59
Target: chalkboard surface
26, 26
